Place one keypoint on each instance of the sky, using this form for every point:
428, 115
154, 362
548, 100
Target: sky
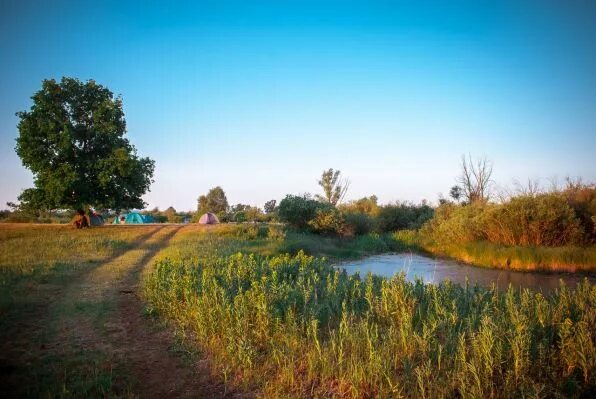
260, 97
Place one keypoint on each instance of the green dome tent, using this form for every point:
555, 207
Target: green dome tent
133, 218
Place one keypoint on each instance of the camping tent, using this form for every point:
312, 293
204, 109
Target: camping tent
133, 218
208, 218
96, 220
148, 219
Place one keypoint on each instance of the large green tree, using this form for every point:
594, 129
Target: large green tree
72, 139
215, 201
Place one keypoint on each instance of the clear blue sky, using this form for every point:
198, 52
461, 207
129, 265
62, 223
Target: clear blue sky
260, 97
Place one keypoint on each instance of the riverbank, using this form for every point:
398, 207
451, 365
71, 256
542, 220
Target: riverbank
570, 259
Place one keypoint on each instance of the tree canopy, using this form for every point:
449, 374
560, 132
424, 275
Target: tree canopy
215, 201
298, 210
72, 139
270, 206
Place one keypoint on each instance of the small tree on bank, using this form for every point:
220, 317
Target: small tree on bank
72, 139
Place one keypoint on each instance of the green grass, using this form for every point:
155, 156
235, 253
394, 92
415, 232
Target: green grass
292, 326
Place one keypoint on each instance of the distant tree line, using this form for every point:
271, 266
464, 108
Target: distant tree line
170, 215
216, 202
326, 214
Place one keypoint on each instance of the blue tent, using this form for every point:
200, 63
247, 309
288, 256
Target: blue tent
133, 218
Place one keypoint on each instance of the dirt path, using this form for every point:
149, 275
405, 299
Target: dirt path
161, 372
139, 349
102, 345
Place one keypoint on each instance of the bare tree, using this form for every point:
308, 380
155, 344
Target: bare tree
531, 188
334, 187
475, 179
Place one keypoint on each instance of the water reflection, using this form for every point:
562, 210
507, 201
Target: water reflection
436, 270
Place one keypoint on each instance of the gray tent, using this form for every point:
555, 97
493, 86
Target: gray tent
96, 220
208, 218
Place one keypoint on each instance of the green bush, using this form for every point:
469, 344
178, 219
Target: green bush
239, 217
541, 220
329, 221
366, 205
401, 216
298, 211
454, 224
359, 223
223, 217
582, 198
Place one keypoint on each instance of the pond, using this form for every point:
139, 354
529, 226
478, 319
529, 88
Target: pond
432, 270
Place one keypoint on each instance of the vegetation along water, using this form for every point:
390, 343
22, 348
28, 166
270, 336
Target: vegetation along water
292, 325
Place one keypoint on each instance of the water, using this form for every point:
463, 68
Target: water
436, 270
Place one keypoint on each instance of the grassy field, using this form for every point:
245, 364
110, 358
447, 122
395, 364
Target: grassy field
259, 311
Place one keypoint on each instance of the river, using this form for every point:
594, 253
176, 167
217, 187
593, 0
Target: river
432, 270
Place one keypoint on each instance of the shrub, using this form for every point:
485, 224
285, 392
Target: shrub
366, 205
19, 218
223, 217
239, 217
454, 224
159, 218
582, 199
297, 211
359, 223
541, 220
329, 221
402, 216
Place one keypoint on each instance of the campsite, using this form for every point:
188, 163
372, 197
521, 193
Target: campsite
297, 199
222, 310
